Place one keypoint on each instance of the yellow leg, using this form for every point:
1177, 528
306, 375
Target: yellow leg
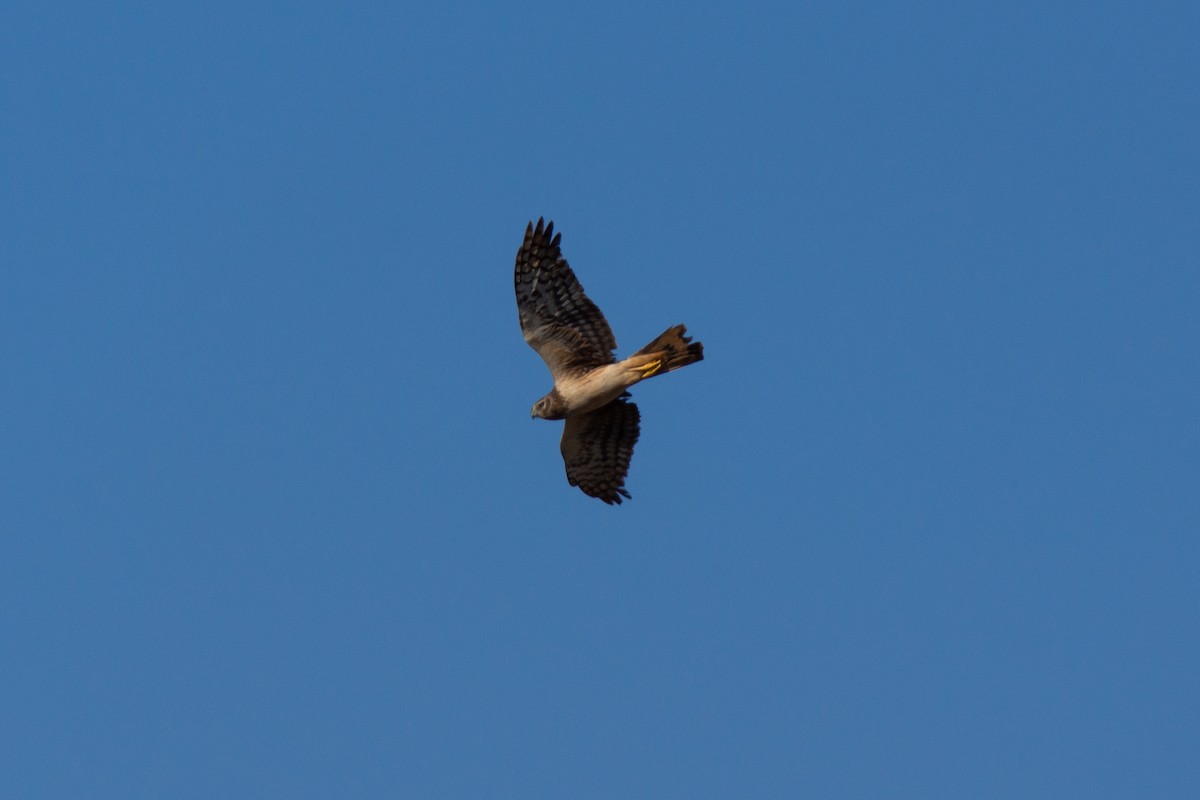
651, 368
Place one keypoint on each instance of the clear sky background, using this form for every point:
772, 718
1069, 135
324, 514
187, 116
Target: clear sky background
276, 522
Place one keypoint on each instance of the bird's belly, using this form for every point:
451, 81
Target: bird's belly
598, 388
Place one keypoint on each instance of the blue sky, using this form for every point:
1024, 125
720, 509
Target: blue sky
276, 522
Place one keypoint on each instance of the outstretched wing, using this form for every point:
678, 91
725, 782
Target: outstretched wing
597, 446
557, 318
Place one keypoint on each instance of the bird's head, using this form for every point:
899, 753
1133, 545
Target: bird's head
549, 407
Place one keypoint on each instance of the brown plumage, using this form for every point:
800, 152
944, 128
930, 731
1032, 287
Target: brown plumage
568, 331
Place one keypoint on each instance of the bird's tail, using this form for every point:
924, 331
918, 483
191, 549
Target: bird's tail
674, 348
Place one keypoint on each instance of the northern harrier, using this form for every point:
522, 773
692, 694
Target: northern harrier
573, 338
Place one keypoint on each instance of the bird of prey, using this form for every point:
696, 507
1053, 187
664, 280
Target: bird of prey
571, 335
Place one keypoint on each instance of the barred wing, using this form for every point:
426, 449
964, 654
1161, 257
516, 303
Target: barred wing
558, 320
597, 446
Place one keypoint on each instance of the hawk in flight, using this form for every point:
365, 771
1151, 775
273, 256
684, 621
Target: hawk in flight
573, 338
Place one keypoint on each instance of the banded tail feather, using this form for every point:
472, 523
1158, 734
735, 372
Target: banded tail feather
678, 348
